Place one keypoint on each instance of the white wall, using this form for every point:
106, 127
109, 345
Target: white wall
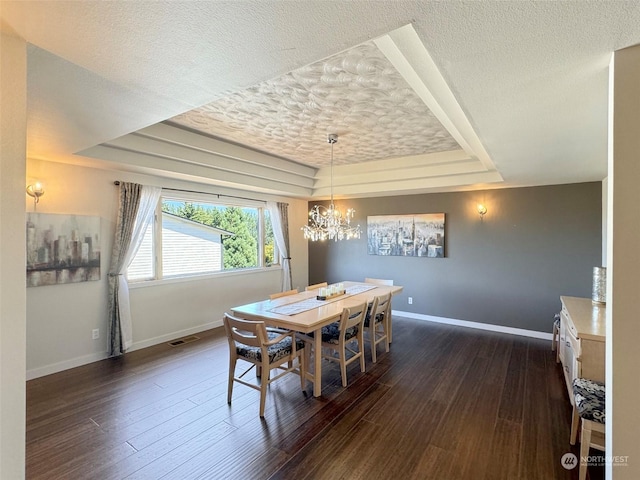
13, 127
623, 266
60, 318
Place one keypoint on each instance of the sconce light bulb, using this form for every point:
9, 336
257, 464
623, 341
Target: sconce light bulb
35, 190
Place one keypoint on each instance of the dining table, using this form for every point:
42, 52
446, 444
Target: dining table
307, 312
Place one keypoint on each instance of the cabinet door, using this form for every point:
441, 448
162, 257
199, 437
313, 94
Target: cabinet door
569, 366
562, 337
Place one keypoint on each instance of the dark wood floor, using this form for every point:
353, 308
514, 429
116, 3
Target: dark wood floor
444, 403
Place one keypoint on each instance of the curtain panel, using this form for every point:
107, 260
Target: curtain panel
280, 221
137, 204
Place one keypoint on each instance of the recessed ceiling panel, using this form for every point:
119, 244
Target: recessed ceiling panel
357, 94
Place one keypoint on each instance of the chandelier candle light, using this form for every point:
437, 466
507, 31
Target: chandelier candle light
329, 223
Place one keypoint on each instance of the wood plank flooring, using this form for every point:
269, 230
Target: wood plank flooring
445, 403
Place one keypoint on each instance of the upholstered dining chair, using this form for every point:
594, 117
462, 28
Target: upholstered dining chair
339, 337
589, 397
376, 323
388, 283
264, 348
316, 286
273, 296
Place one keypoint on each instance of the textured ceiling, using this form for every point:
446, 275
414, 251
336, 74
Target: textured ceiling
521, 87
357, 94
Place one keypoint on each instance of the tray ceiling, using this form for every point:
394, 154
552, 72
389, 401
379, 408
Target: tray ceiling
357, 93
400, 129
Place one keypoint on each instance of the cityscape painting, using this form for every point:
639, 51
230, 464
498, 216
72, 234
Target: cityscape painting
419, 235
62, 249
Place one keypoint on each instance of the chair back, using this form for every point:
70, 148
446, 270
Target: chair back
379, 281
353, 317
273, 296
245, 332
380, 307
316, 286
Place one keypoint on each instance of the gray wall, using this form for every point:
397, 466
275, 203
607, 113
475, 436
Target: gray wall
510, 269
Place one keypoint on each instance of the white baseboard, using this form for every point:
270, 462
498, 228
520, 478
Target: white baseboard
95, 357
477, 325
174, 335
65, 365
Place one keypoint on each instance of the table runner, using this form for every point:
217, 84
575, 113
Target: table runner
311, 303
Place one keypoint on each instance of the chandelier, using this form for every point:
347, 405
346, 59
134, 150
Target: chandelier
329, 223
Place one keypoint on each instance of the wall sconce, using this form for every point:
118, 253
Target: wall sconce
482, 210
36, 191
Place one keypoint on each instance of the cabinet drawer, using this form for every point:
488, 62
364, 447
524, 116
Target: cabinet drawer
574, 342
569, 323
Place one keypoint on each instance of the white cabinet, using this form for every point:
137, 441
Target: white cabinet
581, 345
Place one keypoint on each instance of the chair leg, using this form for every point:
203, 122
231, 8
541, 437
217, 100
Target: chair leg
343, 362
264, 382
360, 338
585, 442
575, 421
232, 372
385, 330
372, 340
302, 364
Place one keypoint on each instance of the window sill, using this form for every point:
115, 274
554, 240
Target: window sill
197, 278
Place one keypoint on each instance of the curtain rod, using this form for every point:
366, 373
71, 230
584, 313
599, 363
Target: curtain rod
117, 182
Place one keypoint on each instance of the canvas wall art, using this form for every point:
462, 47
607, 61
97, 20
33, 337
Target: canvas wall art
62, 249
419, 235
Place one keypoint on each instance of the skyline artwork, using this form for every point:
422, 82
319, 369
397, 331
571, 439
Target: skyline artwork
415, 235
62, 249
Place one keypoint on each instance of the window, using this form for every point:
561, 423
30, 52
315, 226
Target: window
194, 237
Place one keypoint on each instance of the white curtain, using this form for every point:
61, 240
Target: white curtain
135, 214
279, 213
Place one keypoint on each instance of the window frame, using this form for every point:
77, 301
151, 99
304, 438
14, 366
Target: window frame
214, 200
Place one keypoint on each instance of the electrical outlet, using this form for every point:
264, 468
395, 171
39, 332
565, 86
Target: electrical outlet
410, 300
95, 333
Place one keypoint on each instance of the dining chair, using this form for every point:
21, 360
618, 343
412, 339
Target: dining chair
589, 397
273, 296
316, 286
339, 336
376, 323
265, 348
387, 283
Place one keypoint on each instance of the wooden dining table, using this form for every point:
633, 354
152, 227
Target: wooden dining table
283, 313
